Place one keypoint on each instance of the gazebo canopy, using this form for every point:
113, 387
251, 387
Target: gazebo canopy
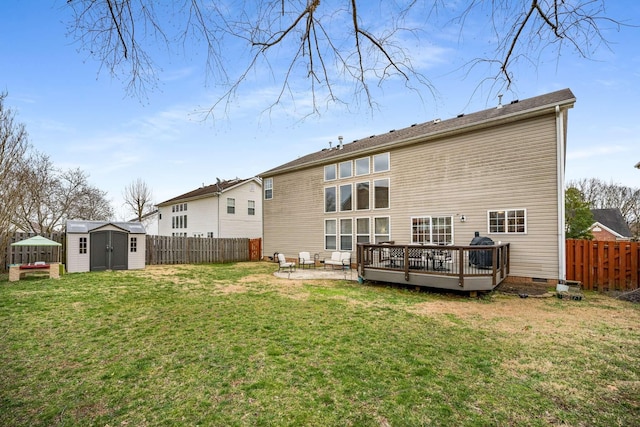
36, 241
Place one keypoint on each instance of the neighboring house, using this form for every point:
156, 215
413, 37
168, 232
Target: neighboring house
609, 225
499, 172
104, 245
150, 222
230, 208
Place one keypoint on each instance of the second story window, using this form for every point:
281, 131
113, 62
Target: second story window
381, 162
268, 188
330, 172
346, 169
251, 207
231, 205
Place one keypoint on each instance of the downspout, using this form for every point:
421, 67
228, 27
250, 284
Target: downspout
561, 144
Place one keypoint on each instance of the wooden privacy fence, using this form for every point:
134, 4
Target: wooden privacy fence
197, 250
604, 266
26, 254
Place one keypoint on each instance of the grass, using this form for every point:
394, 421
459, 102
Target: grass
231, 345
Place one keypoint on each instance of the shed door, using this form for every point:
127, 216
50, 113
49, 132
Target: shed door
109, 250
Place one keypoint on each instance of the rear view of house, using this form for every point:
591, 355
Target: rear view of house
497, 173
226, 209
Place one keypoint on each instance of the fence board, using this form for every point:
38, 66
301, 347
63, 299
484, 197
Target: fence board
604, 266
25, 254
197, 250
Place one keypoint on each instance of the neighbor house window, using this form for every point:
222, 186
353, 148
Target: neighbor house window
210, 234
252, 207
362, 166
381, 162
231, 205
185, 223
133, 247
268, 188
330, 234
432, 230
83, 245
346, 234
330, 172
362, 196
346, 197
381, 193
363, 233
345, 170
330, 199
381, 229
508, 221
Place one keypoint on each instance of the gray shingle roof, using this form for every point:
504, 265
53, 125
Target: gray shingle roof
613, 220
207, 190
82, 226
429, 129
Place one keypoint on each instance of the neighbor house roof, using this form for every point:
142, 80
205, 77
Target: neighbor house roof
432, 129
82, 226
208, 190
612, 220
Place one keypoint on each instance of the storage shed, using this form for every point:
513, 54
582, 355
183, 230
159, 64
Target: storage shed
104, 245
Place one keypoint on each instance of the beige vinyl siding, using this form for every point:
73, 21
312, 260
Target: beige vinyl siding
512, 166
77, 262
137, 259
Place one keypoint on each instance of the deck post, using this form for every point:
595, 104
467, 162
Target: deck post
461, 267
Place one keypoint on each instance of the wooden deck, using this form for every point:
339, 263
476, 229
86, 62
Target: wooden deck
460, 268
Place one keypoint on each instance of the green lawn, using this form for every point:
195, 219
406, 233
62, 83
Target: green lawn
231, 345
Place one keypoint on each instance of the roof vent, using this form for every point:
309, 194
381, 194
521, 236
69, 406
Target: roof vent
372, 136
515, 101
499, 101
392, 130
436, 121
340, 142
460, 115
413, 125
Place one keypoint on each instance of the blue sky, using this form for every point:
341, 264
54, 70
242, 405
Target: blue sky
82, 117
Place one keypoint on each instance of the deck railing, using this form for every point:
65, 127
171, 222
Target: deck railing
457, 261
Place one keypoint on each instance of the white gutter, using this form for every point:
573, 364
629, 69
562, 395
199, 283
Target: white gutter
561, 144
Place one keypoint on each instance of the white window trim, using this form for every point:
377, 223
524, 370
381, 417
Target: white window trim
355, 192
324, 198
324, 243
388, 162
388, 195
506, 227
268, 185
362, 234
431, 217
340, 234
335, 170
355, 166
373, 230
339, 196
340, 176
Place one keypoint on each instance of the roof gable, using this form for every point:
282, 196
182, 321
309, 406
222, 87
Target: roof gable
210, 190
612, 220
432, 129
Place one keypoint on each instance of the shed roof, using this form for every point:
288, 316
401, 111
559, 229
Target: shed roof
613, 220
208, 190
83, 226
428, 130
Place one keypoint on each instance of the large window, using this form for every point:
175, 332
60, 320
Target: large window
381, 162
508, 221
346, 234
268, 188
345, 169
251, 207
330, 234
346, 197
381, 229
231, 205
432, 230
363, 232
381, 193
330, 199
362, 196
362, 166
330, 172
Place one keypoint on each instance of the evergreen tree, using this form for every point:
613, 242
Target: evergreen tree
578, 216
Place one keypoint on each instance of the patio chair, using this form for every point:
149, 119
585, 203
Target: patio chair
283, 264
304, 258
